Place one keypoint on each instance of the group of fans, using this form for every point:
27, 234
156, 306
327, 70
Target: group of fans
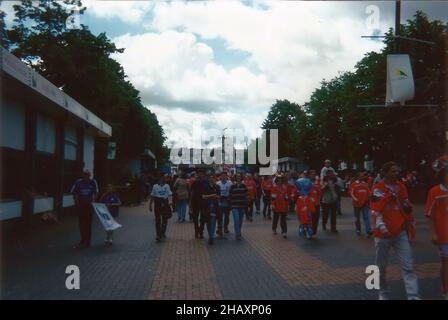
381, 203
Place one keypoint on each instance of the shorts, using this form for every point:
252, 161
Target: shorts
443, 250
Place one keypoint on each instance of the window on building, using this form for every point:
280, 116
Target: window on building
46, 176
12, 125
45, 134
70, 144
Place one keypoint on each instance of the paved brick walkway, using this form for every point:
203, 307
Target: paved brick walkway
261, 266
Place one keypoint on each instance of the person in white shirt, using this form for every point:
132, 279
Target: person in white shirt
161, 196
327, 166
223, 219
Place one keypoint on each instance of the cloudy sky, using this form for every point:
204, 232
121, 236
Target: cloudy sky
218, 64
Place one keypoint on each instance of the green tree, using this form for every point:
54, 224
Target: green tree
334, 127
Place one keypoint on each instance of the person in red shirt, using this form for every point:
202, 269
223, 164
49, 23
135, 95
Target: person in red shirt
266, 187
393, 228
279, 200
436, 209
305, 209
370, 180
315, 195
360, 192
251, 193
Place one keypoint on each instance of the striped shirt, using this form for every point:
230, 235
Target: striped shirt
238, 196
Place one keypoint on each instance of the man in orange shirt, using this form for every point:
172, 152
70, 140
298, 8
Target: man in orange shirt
279, 200
393, 228
360, 192
436, 209
315, 195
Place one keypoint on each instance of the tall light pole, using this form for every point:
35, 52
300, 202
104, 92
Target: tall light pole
397, 25
223, 139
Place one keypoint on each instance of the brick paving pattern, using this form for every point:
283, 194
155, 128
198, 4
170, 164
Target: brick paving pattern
261, 266
185, 271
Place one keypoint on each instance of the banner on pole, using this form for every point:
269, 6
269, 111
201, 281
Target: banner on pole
105, 217
400, 80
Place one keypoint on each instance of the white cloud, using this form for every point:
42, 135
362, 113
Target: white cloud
294, 45
184, 128
174, 69
131, 12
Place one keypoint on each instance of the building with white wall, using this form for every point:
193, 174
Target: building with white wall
46, 139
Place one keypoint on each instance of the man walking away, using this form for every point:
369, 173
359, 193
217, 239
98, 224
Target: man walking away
238, 202
85, 191
330, 194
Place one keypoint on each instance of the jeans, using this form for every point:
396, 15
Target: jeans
161, 223
250, 210
266, 206
282, 217
329, 209
224, 218
211, 225
181, 208
258, 201
364, 210
338, 206
238, 216
402, 248
198, 219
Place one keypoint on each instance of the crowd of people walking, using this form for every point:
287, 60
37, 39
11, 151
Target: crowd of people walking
381, 204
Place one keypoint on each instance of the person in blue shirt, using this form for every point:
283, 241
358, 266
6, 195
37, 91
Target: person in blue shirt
85, 191
303, 185
113, 203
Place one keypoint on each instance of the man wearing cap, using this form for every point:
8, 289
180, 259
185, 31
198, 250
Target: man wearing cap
84, 191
